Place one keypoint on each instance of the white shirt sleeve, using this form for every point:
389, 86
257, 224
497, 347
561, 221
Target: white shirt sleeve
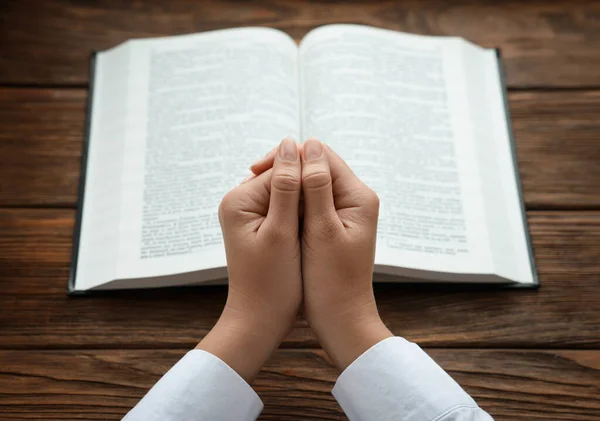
199, 387
397, 380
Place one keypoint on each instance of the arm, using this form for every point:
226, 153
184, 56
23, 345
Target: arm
260, 228
383, 377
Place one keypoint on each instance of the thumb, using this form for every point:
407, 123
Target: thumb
285, 186
316, 183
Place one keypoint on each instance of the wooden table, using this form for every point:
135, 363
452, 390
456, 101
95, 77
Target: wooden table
522, 354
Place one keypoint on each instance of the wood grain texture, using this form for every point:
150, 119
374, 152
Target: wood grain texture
294, 384
557, 140
558, 145
41, 138
93, 358
35, 312
544, 43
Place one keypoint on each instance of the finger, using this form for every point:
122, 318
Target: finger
341, 173
248, 178
250, 197
285, 186
346, 185
264, 163
265, 184
348, 190
316, 183
258, 189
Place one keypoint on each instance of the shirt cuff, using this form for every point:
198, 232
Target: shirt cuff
199, 387
395, 379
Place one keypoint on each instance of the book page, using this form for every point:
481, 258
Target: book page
196, 111
394, 106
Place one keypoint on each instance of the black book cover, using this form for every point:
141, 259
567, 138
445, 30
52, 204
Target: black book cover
513, 148
82, 180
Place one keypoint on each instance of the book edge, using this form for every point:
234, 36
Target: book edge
433, 286
515, 158
82, 181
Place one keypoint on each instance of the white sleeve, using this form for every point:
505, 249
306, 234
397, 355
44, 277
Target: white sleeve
397, 380
199, 387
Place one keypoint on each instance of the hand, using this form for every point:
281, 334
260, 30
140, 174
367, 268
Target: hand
338, 251
260, 224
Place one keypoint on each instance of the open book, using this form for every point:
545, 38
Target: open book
175, 122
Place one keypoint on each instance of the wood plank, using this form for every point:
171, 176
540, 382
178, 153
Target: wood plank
294, 384
558, 146
557, 139
41, 135
544, 43
35, 312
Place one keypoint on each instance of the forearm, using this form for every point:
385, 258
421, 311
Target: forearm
199, 387
212, 382
245, 341
384, 377
347, 326
345, 343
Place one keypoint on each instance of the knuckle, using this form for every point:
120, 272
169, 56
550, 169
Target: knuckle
316, 178
373, 199
370, 201
228, 206
286, 180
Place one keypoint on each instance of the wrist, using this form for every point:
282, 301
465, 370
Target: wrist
243, 343
348, 334
266, 325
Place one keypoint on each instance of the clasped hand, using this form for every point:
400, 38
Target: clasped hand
284, 252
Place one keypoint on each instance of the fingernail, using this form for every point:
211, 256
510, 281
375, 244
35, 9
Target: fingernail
250, 177
313, 149
288, 150
259, 160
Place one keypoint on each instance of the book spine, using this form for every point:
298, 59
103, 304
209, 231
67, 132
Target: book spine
513, 147
82, 181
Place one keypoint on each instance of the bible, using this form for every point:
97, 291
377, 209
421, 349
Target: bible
173, 123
